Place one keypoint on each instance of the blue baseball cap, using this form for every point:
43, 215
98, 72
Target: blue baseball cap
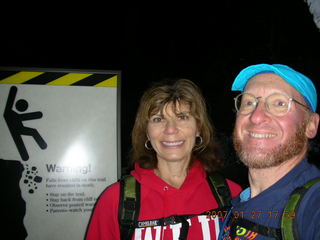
297, 80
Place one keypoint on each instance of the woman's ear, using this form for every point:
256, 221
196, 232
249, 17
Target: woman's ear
197, 133
312, 125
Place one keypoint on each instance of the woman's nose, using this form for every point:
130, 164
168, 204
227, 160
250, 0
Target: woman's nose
171, 127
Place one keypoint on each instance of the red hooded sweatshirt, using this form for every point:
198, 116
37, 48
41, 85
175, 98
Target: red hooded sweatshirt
158, 200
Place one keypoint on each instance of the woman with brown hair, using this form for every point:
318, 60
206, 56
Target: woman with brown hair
173, 151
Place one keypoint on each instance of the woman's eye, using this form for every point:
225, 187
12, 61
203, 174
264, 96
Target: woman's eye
183, 117
156, 119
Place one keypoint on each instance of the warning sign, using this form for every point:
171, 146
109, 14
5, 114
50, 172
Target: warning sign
59, 148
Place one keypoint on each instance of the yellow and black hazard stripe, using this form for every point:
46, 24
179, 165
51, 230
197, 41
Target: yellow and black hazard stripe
59, 78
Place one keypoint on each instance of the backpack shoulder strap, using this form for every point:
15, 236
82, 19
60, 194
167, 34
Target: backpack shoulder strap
270, 232
220, 189
288, 223
129, 205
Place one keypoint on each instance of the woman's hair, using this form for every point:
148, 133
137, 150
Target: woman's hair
154, 100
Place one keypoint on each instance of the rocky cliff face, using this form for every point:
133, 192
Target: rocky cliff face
12, 205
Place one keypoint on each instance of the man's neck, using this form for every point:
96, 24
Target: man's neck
261, 179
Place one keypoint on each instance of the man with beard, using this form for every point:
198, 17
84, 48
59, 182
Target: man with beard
275, 118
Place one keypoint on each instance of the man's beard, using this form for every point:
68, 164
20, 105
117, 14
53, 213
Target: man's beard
294, 146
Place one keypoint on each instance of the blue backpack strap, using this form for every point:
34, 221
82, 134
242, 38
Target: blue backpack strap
220, 189
129, 206
288, 224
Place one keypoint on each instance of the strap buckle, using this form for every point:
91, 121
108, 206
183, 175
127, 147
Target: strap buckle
171, 220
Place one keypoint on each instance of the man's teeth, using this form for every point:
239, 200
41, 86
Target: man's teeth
262, 135
172, 143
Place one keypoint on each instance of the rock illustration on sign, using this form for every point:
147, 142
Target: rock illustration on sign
31, 178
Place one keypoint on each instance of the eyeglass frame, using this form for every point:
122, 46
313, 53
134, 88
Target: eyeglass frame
290, 99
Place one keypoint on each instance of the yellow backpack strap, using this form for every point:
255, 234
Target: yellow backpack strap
288, 223
129, 206
220, 189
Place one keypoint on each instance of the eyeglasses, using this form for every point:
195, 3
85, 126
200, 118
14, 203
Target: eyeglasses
276, 104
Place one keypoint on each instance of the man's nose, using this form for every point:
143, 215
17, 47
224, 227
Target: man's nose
260, 113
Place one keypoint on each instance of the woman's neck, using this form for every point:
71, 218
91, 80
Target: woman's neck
173, 173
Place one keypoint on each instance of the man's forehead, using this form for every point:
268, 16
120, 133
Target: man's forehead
297, 80
270, 80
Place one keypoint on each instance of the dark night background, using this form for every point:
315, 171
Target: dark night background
208, 43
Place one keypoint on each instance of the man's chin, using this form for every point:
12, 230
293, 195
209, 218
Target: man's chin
266, 156
260, 159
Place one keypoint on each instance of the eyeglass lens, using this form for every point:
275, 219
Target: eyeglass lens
276, 104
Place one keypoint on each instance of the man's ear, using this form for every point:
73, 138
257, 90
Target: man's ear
312, 125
